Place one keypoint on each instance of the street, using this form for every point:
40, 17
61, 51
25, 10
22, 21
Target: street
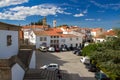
69, 63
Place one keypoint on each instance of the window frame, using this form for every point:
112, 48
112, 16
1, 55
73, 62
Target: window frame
9, 40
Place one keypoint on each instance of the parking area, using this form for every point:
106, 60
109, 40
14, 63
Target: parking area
68, 62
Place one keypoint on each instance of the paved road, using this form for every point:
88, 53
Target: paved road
68, 62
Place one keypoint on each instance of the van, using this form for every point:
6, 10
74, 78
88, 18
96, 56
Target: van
85, 60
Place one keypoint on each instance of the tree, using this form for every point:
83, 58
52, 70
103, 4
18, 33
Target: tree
106, 55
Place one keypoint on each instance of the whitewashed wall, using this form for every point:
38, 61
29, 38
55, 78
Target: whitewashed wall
8, 51
32, 38
97, 40
33, 61
38, 42
68, 42
17, 72
93, 33
26, 34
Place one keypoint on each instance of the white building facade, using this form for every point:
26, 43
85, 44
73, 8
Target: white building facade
11, 68
9, 43
9, 46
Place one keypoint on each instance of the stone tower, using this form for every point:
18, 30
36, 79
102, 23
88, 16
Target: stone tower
44, 21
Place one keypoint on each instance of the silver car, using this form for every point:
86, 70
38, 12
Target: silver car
52, 66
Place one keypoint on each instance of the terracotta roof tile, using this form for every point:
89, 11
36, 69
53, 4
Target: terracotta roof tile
110, 33
49, 32
96, 29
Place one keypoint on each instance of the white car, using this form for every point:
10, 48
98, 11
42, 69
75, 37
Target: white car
52, 49
85, 60
52, 66
43, 48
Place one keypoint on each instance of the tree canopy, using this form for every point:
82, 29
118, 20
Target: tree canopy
106, 55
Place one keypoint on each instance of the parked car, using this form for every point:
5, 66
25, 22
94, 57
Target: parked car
85, 60
52, 66
71, 48
43, 48
57, 49
77, 52
93, 68
51, 49
63, 49
101, 76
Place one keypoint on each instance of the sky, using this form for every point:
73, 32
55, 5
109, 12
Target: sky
82, 13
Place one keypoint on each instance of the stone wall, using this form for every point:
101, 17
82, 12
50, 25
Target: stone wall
5, 71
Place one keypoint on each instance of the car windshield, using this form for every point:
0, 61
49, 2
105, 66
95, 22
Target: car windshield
54, 66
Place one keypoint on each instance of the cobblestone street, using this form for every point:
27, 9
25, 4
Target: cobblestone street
69, 63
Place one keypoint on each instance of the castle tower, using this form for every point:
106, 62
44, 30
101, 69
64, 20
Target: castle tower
44, 21
54, 23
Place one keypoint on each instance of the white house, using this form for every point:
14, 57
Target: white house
8, 40
45, 38
54, 37
71, 40
28, 29
11, 68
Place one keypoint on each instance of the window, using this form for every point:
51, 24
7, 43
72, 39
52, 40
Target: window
57, 41
98, 40
51, 36
71, 39
45, 39
9, 40
76, 44
76, 38
54, 36
51, 41
57, 36
41, 39
54, 41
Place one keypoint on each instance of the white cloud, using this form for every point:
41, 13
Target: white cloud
114, 6
4, 3
98, 19
78, 15
21, 12
82, 12
89, 19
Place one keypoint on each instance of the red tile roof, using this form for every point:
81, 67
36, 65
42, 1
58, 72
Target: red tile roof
49, 32
68, 35
96, 29
110, 33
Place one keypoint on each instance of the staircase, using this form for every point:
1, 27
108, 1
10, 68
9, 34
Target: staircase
40, 74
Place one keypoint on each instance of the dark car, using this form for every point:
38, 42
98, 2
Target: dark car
57, 49
101, 76
93, 68
77, 52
